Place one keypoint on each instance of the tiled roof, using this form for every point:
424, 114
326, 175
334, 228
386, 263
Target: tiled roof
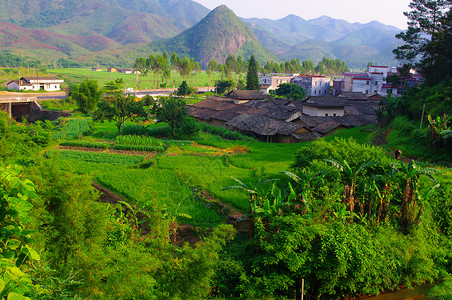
307, 136
352, 95
246, 95
262, 125
324, 101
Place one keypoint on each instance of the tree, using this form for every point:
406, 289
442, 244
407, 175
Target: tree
425, 38
172, 111
223, 86
184, 89
291, 91
119, 108
87, 94
252, 78
212, 66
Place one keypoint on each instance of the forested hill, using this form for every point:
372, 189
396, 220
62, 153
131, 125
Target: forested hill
46, 13
220, 33
118, 31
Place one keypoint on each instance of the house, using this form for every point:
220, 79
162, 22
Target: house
313, 85
323, 106
265, 128
243, 96
287, 121
112, 69
36, 84
96, 69
272, 80
128, 71
338, 83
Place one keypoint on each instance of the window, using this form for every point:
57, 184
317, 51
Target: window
334, 115
367, 91
315, 91
376, 82
326, 115
367, 82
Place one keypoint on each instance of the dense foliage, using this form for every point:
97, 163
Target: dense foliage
428, 40
364, 225
291, 91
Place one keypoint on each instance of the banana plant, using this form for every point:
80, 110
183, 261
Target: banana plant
351, 175
253, 192
411, 195
304, 183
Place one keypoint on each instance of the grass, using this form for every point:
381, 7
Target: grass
149, 81
362, 135
207, 163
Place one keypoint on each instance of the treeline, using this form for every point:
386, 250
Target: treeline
324, 67
9, 60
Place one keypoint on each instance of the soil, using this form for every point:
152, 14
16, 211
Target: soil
147, 154
185, 233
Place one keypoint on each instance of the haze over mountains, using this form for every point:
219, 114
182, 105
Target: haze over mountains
118, 31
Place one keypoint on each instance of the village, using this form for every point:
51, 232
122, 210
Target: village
330, 104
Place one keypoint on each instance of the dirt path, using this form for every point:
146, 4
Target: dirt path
185, 233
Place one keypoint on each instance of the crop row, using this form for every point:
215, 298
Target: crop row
96, 157
86, 144
139, 148
138, 140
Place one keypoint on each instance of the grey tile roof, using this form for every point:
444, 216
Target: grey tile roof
262, 125
246, 95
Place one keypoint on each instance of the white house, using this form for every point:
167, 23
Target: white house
35, 84
272, 81
323, 107
313, 85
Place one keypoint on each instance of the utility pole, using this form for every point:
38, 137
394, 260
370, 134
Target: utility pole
422, 119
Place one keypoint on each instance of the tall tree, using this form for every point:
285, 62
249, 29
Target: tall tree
428, 24
119, 108
87, 94
252, 78
172, 111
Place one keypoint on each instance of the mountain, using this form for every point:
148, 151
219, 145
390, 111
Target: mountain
220, 33
355, 43
45, 13
74, 29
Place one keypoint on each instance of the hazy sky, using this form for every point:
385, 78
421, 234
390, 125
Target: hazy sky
389, 12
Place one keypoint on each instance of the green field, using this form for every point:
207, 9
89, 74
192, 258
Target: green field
149, 81
169, 179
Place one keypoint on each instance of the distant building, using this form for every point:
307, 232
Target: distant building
96, 69
323, 106
112, 69
313, 85
337, 86
35, 84
271, 81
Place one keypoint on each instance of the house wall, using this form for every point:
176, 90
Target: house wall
305, 83
330, 111
320, 86
13, 86
348, 83
337, 86
273, 81
362, 85
379, 69
310, 110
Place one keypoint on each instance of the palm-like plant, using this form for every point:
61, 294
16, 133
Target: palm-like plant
253, 191
411, 194
349, 189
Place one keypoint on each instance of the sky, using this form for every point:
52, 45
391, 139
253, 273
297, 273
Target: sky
388, 12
